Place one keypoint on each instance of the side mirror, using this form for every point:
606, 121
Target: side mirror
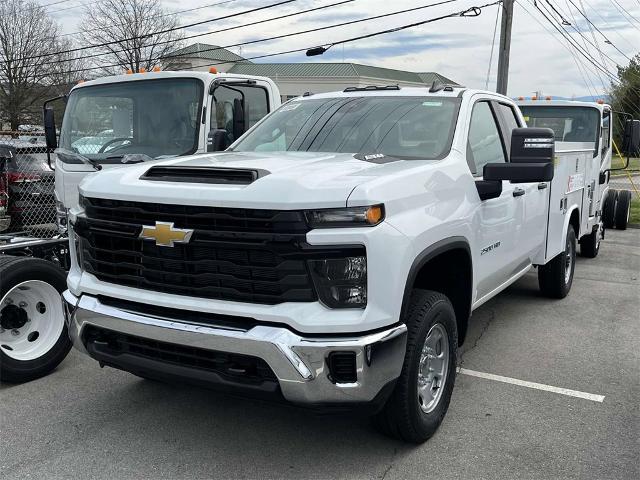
217, 140
488, 189
519, 172
631, 138
50, 128
532, 145
239, 126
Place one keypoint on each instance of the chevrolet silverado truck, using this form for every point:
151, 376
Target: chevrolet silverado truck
331, 257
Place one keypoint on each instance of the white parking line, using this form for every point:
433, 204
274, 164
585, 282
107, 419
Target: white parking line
537, 386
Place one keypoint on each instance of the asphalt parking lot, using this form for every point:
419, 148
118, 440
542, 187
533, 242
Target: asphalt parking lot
87, 422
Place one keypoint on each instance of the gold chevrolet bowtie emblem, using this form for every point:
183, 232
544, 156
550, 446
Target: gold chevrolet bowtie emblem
165, 235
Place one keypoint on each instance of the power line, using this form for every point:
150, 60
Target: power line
470, 12
625, 13
168, 14
493, 44
554, 35
202, 22
336, 25
604, 20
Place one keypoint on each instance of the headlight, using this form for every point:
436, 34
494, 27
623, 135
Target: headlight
345, 217
341, 282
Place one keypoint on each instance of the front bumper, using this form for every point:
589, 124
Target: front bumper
299, 363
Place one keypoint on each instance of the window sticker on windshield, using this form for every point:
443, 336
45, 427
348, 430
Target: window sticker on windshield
431, 104
291, 106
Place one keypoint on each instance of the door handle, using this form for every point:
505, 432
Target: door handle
542, 186
518, 192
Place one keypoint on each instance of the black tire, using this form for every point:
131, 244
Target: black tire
13, 271
402, 416
622, 209
552, 277
590, 244
609, 208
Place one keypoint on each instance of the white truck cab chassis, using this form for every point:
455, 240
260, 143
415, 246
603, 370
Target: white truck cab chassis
331, 257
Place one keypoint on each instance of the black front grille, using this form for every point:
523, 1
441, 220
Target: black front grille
246, 255
232, 366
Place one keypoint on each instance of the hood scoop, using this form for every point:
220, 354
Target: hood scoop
209, 175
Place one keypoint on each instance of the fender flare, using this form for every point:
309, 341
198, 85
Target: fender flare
567, 219
432, 251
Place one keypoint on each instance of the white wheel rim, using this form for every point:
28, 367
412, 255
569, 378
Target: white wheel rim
43, 306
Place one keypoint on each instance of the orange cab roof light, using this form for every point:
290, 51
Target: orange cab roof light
156, 69
80, 81
521, 98
600, 101
142, 70
534, 98
213, 70
129, 72
548, 97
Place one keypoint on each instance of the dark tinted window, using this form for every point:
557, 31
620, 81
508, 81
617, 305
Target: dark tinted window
569, 124
510, 120
402, 127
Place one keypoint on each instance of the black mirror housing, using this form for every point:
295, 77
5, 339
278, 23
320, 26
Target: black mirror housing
519, 172
532, 145
50, 128
488, 189
217, 140
631, 138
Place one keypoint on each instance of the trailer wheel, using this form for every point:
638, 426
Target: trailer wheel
421, 396
590, 244
555, 278
609, 208
623, 208
33, 334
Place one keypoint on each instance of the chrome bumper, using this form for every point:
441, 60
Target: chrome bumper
299, 363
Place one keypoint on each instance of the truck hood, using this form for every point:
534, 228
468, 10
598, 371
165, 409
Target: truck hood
288, 180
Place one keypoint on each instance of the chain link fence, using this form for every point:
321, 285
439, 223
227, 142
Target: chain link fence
27, 183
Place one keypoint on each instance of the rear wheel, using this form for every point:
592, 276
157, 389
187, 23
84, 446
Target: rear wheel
609, 208
422, 393
623, 208
590, 244
555, 278
33, 334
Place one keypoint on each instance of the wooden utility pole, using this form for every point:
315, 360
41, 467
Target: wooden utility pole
505, 46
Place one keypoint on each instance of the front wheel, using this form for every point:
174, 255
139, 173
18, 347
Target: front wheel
33, 334
555, 278
422, 393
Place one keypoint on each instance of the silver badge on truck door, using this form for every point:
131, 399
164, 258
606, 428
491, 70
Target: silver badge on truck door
165, 235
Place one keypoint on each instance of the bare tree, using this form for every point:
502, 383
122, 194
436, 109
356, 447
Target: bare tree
28, 37
134, 31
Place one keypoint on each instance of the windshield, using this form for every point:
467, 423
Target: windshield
401, 127
569, 124
152, 117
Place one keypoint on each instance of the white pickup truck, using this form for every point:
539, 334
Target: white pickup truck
331, 257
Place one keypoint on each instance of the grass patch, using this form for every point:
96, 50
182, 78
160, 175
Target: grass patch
617, 162
634, 213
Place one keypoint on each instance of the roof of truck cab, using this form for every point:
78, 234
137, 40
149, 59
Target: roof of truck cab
561, 103
132, 77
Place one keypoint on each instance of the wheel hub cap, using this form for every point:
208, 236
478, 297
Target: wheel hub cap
433, 368
13, 317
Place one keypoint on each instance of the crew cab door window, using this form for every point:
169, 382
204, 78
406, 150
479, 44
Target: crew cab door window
484, 144
606, 132
255, 103
509, 121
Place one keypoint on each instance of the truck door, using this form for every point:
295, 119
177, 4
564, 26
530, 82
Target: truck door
499, 220
535, 197
236, 106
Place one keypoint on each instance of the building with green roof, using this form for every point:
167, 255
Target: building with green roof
294, 79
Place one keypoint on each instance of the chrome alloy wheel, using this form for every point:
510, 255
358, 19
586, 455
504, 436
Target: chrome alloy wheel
31, 320
433, 368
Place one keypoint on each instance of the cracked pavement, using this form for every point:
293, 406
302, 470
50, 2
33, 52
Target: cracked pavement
87, 422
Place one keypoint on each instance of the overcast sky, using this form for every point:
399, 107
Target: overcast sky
458, 48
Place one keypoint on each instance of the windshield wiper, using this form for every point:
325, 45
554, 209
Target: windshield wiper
68, 155
131, 157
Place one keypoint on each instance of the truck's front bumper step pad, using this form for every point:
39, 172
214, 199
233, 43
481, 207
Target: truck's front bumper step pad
263, 357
